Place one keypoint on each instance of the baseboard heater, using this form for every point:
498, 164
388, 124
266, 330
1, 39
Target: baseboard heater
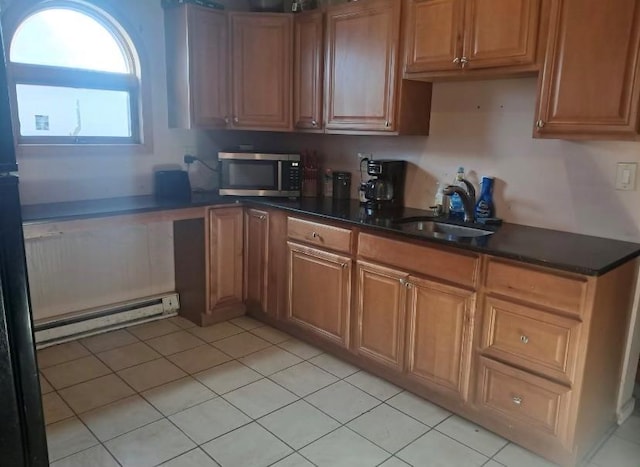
103, 319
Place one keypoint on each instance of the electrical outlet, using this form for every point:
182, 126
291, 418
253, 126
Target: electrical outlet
626, 176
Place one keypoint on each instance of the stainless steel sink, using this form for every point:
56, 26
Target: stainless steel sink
441, 230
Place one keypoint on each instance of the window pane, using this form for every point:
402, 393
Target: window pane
57, 111
67, 38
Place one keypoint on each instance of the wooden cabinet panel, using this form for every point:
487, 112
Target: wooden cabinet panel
434, 29
256, 259
225, 249
541, 287
325, 236
500, 32
208, 53
381, 309
308, 70
590, 84
535, 404
196, 46
361, 65
530, 338
453, 37
320, 292
261, 51
439, 336
458, 267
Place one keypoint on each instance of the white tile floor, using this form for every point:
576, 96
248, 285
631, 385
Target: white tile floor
243, 394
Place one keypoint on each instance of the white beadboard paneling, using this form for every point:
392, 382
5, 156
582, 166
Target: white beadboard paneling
82, 270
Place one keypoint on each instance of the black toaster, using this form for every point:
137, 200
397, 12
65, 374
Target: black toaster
172, 186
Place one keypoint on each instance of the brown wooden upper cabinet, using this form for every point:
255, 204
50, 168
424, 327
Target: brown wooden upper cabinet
308, 70
451, 37
363, 87
590, 84
228, 70
261, 70
196, 45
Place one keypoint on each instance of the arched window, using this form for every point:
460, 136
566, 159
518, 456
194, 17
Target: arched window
76, 75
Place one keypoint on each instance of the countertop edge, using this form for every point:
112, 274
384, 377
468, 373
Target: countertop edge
148, 206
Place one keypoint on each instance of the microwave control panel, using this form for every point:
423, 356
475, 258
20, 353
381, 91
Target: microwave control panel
291, 176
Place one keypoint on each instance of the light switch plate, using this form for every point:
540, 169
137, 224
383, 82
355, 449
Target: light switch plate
626, 176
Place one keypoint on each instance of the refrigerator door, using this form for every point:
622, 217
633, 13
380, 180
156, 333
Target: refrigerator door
22, 434
7, 150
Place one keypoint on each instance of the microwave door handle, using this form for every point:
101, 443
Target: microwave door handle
279, 175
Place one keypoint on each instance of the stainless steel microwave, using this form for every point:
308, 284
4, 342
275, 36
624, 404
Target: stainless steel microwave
257, 174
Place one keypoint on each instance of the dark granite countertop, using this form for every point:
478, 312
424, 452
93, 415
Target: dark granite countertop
561, 250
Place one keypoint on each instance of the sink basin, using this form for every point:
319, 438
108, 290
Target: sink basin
442, 230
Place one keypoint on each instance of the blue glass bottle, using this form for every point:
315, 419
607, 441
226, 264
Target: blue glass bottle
485, 207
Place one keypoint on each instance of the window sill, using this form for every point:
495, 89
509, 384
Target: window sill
29, 150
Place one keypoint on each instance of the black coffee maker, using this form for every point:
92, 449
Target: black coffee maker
386, 189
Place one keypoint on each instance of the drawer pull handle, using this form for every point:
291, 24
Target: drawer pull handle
524, 339
517, 400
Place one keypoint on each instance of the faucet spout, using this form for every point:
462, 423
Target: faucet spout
468, 199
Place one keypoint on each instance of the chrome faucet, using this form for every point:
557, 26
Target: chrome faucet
467, 196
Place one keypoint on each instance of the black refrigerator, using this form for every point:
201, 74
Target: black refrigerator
22, 435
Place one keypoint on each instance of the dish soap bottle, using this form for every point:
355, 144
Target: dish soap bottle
456, 208
485, 207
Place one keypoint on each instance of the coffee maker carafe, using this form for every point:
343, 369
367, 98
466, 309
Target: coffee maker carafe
386, 189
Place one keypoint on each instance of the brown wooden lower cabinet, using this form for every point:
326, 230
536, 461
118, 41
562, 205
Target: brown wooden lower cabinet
225, 262
439, 336
319, 292
208, 260
381, 314
529, 352
256, 259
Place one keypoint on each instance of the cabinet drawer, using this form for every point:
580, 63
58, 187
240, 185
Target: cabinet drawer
539, 341
531, 402
444, 264
326, 236
542, 287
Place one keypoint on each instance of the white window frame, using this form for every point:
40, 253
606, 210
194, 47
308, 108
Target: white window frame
28, 74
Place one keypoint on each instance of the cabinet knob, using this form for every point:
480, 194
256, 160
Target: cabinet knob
464, 61
236, 119
314, 123
262, 217
315, 235
226, 120
540, 123
344, 265
524, 339
456, 60
405, 283
517, 400
387, 124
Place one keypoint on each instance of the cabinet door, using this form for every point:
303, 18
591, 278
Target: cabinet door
433, 35
308, 70
225, 248
208, 62
320, 292
440, 334
500, 33
261, 51
256, 259
361, 65
590, 85
381, 310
